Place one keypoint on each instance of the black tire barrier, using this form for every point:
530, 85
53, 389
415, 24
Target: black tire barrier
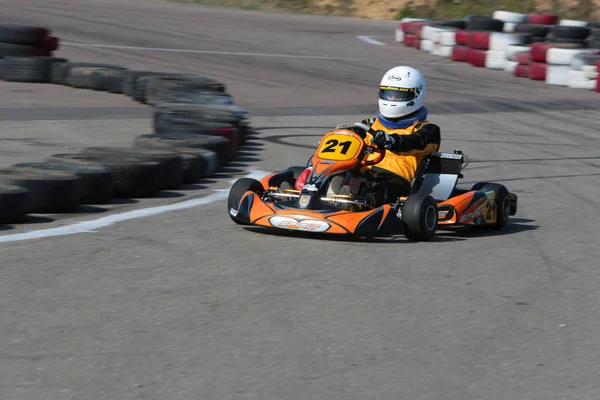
28, 69
179, 167
13, 204
177, 153
535, 30
49, 191
194, 118
190, 92
482, 23
158, 85
593, 42
25, 35
18, 50
131, 177
219, 145
451, 23
96, 180
89, 77
109, 80
170, 164
209, 159
61, 72
570, 32
140, 85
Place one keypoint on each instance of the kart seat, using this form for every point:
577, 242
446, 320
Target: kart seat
437, 175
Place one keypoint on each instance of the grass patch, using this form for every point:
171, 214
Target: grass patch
398, 9
457, 9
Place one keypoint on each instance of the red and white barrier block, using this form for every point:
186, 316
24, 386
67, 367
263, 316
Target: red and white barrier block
536, 46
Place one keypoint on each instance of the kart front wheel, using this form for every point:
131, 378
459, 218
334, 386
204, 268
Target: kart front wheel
239, 188
420, 217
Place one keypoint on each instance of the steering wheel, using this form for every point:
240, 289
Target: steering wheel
377, 160
362, 129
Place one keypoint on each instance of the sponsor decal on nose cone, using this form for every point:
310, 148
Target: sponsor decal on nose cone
304, 225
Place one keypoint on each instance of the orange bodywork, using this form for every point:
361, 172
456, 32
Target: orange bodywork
467, 208
331, 221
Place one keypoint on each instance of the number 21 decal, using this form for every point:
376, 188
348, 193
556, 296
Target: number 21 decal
339, 147
333, 143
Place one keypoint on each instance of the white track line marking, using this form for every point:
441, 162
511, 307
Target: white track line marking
370, 40
227, 53
90, 226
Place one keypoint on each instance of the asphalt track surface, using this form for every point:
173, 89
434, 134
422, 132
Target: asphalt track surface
187, 305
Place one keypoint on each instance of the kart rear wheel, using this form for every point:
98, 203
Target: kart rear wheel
236, 192
420, 217
502, 202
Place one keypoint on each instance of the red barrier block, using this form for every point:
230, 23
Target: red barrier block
476, 57
537, 71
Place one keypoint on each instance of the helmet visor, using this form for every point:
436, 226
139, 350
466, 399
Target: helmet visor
393, 93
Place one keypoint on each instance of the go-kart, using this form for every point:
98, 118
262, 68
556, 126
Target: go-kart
329, 194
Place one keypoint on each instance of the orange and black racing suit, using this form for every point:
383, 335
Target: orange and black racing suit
415, 138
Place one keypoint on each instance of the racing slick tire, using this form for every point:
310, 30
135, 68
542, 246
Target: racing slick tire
420, 217
502, 202
236, 192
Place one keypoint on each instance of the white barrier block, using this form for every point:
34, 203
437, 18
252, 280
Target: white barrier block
399, 34
426, 45
588, 84
447, 38
495, 59
444, 51
510, 66
501, 40
572, 22
511, 17
589, 72
559, 56
557, 75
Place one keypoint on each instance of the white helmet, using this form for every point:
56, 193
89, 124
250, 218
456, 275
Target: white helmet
401, 92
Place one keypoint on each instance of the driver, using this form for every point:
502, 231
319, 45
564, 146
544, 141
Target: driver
400, 127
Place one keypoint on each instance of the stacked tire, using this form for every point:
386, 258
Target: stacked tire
488, 42
510, 19
439, 38
19, 41
26, 53
403, 26
479, 30
523, 60
593, 41
565, 42
583, 72
460, 51
538, 65
412, 32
